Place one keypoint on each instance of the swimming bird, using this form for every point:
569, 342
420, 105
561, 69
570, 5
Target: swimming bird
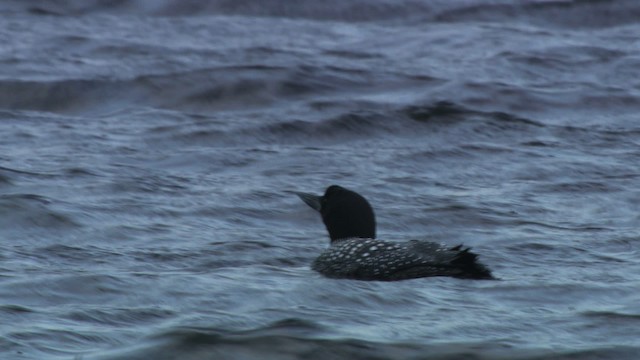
355, 253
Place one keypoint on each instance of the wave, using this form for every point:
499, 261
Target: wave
613, 316
301, 339
218, 88
560, 13
353, 125
29, 211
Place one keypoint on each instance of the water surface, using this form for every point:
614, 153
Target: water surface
150, 151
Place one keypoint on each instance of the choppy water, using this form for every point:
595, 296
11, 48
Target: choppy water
149, 150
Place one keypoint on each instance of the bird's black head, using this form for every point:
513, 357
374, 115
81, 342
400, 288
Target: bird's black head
345, 213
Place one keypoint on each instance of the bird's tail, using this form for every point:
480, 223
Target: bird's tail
467, 262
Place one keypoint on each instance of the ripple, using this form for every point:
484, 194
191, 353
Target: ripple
134, 317
27, 211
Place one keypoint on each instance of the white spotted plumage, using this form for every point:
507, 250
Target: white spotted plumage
377, 259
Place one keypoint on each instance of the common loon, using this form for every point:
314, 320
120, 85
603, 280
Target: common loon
356, 254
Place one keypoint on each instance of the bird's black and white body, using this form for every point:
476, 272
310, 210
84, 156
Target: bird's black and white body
355, 253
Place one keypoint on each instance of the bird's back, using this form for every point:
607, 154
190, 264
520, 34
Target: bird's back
371, 259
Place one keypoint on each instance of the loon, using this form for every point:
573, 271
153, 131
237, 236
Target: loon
356, 254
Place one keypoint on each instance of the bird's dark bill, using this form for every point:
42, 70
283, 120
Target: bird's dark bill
311, 200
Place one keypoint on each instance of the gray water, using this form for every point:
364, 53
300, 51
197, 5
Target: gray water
150, 149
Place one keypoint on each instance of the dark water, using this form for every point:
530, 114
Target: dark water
149, 150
